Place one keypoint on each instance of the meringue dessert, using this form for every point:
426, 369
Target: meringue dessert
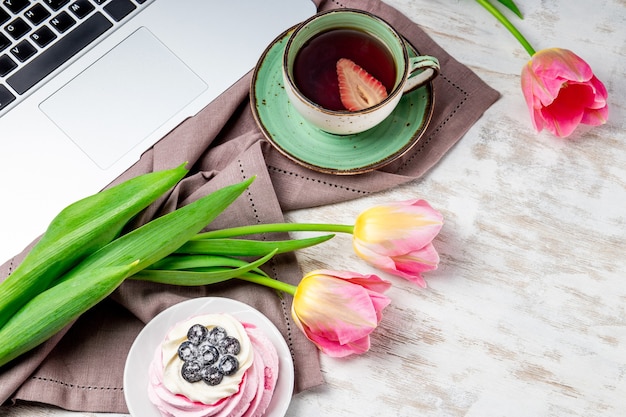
213, 365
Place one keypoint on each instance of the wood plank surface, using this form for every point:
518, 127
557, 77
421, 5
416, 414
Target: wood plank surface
526, 315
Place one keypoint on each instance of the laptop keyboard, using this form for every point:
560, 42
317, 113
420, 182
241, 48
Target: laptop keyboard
37, 37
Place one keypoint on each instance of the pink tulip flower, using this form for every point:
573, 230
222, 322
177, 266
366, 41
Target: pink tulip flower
559, 87
397, 238
338, 310
562, 92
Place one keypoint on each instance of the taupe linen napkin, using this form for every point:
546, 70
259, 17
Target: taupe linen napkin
81, 368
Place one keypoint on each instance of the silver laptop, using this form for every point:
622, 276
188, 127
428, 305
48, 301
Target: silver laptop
86, 86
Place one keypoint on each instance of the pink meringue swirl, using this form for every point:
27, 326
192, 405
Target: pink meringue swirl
254, 392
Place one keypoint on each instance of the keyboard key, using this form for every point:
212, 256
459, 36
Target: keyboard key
58, 53
81, 8
5, 97
17, 28
62, 22
37, 14
56, 4
43, 36
16, 6
6, 65
23, 50
4, 42
4, 16
99, 2
119, 9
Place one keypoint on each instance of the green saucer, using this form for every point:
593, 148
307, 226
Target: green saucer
311, 147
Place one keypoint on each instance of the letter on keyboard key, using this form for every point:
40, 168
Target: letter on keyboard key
17, 28
62, 22
15, 6
43, 36
81, 8
23, 50
37, 14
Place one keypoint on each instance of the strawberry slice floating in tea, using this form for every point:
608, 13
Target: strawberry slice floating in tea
358, 89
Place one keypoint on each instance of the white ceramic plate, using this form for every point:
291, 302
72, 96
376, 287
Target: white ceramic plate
142, 352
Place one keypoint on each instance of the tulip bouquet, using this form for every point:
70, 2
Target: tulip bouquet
559, 87
336, 310
84, 256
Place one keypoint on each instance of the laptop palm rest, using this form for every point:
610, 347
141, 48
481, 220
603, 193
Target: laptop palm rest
123, 97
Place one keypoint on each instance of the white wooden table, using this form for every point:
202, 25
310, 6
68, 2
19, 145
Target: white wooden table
526, 315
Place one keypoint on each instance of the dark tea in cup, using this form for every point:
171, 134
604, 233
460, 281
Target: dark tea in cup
346, 70
315, 65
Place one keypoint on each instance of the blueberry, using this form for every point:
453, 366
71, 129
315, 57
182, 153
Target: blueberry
187, 351
191, 371
228, 364
229, 345
216, 334
197, 333
212, 375
207, 353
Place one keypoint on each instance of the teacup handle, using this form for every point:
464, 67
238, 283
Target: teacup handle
422, 69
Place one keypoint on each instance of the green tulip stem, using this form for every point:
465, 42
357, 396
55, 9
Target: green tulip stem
507, 24
274, 227
269, 282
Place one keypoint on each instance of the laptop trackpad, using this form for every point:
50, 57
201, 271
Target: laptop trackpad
123, 97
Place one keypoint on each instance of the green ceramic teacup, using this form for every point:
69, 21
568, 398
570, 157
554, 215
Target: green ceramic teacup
408, 73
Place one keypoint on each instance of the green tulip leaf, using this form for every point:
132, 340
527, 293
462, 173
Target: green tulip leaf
511, 5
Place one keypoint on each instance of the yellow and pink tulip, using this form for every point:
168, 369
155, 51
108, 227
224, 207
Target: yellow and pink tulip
338, 310
397, 238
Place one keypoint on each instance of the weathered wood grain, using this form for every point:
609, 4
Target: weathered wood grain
526, 315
